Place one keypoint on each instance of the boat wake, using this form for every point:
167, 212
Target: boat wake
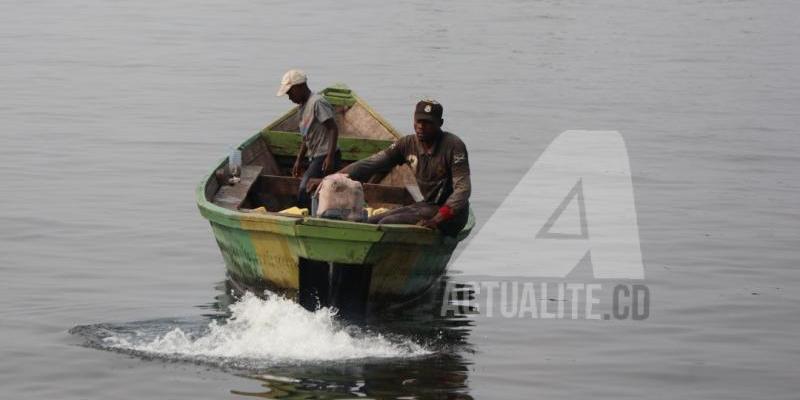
258, 333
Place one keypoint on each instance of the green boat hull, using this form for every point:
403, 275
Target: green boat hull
265, 251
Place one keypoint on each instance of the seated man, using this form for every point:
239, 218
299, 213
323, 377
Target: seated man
441, 167
318, 130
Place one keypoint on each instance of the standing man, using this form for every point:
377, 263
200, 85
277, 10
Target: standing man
318, 130
441, 166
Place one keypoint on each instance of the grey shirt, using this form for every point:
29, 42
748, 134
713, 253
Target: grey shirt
312, 114
442, 173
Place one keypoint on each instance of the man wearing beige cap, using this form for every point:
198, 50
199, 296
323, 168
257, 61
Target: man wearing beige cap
318, 130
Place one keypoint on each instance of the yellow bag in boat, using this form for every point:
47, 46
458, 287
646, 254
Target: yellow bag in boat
301, 212
376, 211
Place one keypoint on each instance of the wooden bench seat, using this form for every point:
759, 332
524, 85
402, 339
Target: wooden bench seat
375, 195
276, 192
232, 196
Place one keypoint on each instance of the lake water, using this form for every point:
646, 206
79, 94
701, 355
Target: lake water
113, 111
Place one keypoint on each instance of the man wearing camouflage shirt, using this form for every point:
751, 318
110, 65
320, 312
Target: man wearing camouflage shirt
441, 166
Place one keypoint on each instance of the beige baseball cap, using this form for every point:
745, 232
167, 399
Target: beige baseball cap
290, 78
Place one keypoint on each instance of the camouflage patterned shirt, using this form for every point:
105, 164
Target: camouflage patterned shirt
442, 173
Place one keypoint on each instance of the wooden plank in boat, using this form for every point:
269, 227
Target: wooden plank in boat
279, 185
288, 144
377, 194
373, 193
270, 164
232, 196
256, 152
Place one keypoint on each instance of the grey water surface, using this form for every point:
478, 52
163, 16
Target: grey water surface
111, 112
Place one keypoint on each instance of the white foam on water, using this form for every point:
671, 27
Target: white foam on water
272, 330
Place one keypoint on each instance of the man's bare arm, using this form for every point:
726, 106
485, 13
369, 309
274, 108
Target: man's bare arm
298, 162
333, 130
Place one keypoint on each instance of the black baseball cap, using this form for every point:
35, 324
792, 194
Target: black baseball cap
428, 109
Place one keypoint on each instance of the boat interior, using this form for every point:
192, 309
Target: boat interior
268, 157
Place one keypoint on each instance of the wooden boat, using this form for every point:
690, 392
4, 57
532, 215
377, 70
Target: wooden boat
357, 266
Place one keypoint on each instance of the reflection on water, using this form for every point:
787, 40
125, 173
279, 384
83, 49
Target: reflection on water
441, 376
289, 352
